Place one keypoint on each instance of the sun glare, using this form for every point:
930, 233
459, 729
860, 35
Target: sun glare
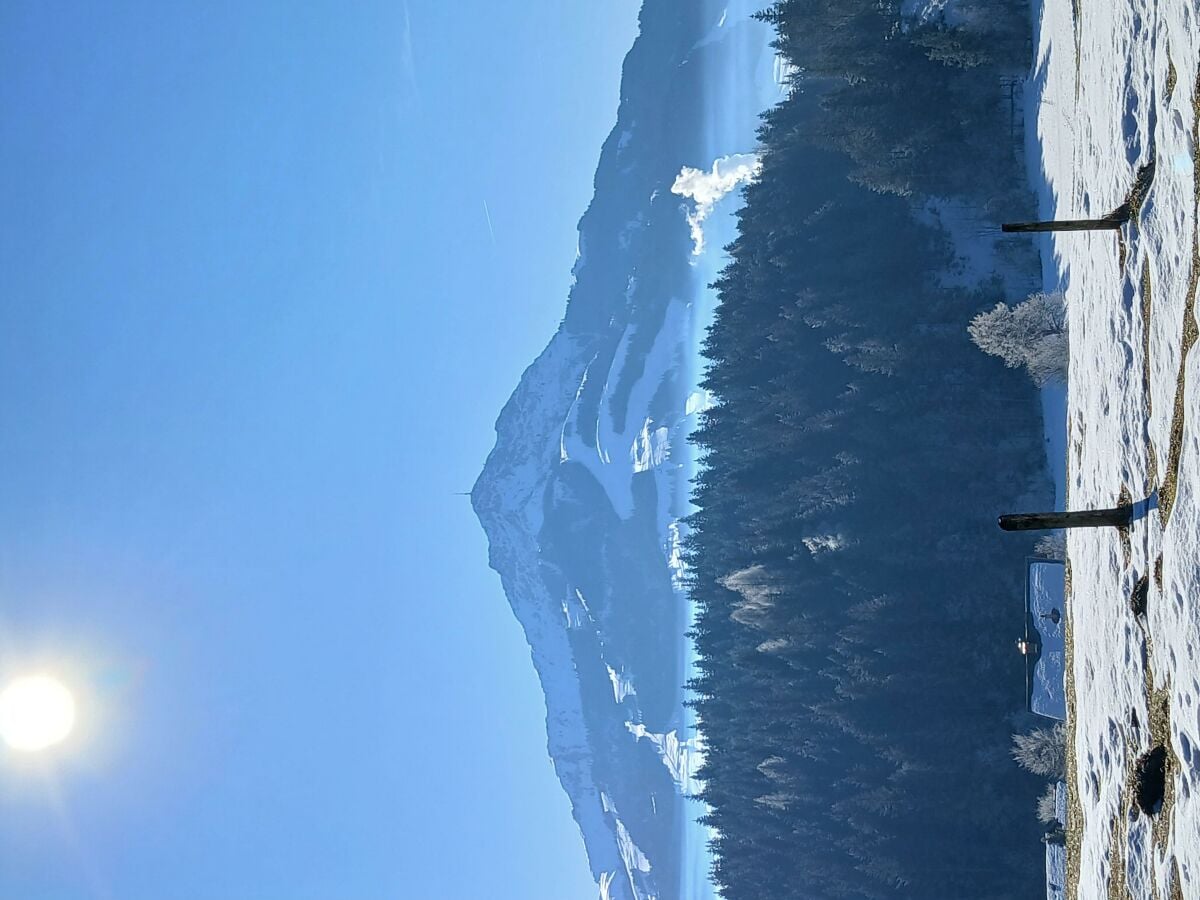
35, 713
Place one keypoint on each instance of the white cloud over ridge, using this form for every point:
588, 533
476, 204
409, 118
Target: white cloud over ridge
705, 189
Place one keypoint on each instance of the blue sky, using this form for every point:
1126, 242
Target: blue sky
254, 332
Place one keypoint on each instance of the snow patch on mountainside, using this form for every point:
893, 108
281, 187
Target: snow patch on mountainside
575, 610
650, 447
622, 686
682, 758
632, 857
618, 453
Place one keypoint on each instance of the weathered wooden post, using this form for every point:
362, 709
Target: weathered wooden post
1110, 222
1084, 518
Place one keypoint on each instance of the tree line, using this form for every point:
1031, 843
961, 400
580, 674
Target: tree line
857, 685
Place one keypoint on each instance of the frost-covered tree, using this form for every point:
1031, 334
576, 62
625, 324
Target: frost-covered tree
1032, 334
759, 595
1047, 808
1043, 751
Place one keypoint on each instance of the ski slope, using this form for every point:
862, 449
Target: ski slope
1114, 89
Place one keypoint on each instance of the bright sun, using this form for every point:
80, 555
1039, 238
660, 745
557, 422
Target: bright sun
36, 712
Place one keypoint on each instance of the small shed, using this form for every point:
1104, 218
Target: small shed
1044, 645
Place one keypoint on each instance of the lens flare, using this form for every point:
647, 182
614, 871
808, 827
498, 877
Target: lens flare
36, 712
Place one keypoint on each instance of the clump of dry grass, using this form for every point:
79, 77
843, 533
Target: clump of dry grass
1176, 886
1170, 485
1116, 855
1074, 824
1125, 498
1147, 311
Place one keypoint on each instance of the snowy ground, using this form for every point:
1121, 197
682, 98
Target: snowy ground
1114, 88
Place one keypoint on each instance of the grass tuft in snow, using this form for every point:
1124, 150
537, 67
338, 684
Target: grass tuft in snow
1142, 183
1125, 498
1138, 600
1190, 332
1147, 311
1131, 210
1176, 883
1116, 861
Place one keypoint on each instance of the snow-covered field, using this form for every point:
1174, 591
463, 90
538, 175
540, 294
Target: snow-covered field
1114, 89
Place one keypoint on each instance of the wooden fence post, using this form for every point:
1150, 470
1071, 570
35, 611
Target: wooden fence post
1108, 223
1085, 518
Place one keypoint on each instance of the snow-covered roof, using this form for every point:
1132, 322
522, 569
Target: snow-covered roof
1046, 621
1056, 871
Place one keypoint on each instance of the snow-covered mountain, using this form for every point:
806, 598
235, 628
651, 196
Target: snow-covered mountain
582, 495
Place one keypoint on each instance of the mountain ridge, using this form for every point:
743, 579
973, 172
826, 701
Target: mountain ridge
582, 448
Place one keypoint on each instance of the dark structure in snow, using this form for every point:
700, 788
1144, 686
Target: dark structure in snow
1150, 780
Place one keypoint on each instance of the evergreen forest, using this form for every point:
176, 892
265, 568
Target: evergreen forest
858, 683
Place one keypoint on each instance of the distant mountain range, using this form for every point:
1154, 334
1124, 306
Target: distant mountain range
581, 496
